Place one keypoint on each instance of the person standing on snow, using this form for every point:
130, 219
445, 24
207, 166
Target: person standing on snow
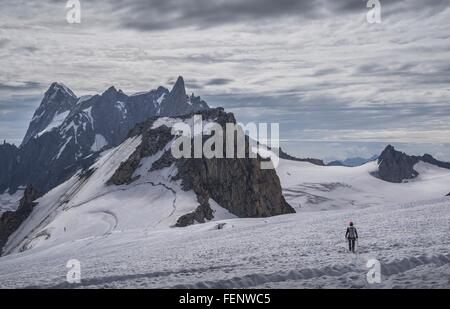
352, 236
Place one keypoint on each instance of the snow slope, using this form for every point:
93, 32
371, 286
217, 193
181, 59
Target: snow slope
122, 235
56, 122
293, 251
309, 187
86, 207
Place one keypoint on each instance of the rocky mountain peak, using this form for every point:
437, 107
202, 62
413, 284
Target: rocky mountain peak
111, 89
178, 103
238, 185
286, 156
395, 166
60, 95
60, 87
112, 93
65, 129
58, 100
179, 89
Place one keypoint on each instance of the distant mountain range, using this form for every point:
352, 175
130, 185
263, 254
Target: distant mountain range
284, 155
352, 162
67, 132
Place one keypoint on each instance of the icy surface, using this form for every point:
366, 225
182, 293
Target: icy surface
294, 251
123, 235
318, 188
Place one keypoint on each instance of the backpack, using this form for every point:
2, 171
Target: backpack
351, 232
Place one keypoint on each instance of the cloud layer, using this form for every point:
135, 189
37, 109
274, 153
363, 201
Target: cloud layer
317, 67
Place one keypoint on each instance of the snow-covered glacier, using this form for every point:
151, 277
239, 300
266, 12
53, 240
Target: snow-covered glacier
125, 238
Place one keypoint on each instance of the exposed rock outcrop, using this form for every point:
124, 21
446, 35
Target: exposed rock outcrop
284, 155
178, 103
429, 159
395, 166
239, 185
11, 220
153, 141
58, 99
200, 215
8, 163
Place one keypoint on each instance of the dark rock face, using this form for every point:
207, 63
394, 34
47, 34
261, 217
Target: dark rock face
11, 220
177, 103
45, 162
239, 185
57, 100
284, 155
395, 166
153, 141
8, 163
429, 159
448, 194
200, 215
67, 132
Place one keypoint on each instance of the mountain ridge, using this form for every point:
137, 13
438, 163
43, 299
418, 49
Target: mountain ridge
67, 132
396, 166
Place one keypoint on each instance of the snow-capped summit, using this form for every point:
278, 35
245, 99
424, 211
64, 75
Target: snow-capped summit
58, 101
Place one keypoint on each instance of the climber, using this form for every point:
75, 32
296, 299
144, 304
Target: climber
352, 236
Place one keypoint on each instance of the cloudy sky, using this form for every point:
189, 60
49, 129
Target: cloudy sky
338, 86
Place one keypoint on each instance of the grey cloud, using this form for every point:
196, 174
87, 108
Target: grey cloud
218, 82
327, 71
407, 71
27, 49
15, 87
152, 15
190, 83
4, 42
163, 14
322, 112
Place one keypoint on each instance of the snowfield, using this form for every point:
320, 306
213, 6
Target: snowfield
124, 238
335, 187
10, 202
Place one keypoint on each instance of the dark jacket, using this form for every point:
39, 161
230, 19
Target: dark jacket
351, 234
